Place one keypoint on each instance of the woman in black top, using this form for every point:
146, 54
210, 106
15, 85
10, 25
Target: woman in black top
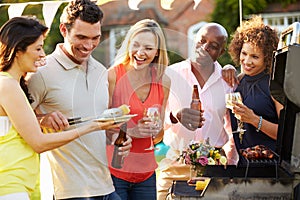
252, 47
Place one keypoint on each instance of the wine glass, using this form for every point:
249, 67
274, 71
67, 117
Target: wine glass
154, 122
230, 99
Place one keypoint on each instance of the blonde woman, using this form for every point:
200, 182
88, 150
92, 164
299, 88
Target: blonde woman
137, 78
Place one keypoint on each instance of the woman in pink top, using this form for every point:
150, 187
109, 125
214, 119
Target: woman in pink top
137, 79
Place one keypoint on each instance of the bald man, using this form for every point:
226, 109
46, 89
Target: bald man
185, 124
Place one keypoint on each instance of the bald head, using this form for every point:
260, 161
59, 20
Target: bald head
213, 38
218, 29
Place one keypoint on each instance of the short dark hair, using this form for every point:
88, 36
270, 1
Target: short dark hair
85, 10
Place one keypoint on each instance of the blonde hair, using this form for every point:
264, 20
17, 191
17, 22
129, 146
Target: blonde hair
161, 61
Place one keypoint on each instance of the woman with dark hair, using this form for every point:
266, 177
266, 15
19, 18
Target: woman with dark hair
252, 47
21, 139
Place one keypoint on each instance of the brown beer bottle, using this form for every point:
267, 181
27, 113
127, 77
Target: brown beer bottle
196, 103
117, 160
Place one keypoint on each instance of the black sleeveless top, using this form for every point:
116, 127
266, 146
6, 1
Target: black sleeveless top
256, 95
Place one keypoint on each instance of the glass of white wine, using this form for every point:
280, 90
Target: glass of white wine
231, 98
154, 121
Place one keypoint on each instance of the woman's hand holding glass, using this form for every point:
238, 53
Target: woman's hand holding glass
146, 127
150, 125
234, 102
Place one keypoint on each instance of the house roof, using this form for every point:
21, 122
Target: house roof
278, 8
128, 16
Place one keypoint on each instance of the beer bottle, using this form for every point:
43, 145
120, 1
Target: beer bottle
117, 160
196, 103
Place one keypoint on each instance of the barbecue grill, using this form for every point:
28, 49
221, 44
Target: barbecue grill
285, 88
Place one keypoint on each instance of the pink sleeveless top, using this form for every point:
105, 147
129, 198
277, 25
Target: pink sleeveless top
140, 164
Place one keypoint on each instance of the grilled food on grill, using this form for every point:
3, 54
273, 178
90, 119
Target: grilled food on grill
257, 152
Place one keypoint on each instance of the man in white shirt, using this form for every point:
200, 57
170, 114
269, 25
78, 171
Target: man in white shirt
202, 70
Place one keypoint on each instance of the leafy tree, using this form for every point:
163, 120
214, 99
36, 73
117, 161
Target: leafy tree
54, 35
3, 14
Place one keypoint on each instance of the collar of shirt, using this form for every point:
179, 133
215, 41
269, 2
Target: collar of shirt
214, 77
67, 63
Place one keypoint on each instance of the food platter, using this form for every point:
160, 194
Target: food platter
120, 119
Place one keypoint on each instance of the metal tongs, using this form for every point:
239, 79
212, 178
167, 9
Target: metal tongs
78, 120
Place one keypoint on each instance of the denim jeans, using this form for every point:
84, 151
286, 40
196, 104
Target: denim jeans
145, 190
111, 196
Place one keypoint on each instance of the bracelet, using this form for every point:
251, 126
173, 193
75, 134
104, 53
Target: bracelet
259, 124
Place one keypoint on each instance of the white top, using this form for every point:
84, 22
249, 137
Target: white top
212, 96
79, 168
5, 125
